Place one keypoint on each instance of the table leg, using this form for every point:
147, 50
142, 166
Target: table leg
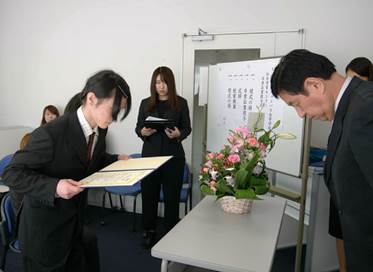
164, 265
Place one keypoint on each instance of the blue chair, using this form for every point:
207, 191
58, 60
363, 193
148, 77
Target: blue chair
3, 164
186, 190
123, 191
8, 229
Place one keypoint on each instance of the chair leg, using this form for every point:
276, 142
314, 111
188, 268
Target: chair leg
134, 214
121, 202
111, 201
102, 221
3, 259
190, 199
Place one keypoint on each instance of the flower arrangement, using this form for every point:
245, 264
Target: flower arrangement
239, 169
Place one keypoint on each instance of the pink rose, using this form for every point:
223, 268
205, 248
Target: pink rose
232, 138
262, 147
205, 170
220, 156
234, 149
233, 158
208, 164
211, 155
212, 185
243, 131
252, 141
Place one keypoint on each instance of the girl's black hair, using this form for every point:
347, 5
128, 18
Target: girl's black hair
361, 66
103, 84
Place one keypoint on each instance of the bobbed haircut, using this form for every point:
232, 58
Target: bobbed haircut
52, 109
361, 66
293, 69
166, 76
106, 84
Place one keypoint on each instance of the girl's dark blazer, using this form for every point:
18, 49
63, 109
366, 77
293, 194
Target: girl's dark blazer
48, 225
158, 144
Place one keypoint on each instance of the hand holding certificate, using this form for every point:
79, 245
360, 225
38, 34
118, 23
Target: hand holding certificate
124, 173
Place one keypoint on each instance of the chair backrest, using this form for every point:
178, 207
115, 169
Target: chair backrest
4, 163
186, 179
8, 216
136, 155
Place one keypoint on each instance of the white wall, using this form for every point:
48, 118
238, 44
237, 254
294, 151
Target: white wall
48, 48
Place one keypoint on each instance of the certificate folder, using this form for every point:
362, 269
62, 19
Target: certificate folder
124, 172
159, 125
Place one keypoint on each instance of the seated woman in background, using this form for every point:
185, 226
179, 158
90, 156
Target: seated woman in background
50, 113
362, 68
17, 198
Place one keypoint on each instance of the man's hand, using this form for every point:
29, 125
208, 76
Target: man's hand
67, 188
147, 131
172, 133
123, 157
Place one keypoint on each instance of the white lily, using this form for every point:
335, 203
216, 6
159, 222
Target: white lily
286, 136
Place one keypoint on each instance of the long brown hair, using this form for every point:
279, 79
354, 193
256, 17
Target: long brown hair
52, 109
168, 77
24, 141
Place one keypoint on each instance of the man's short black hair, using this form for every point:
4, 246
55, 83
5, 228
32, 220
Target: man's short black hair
293, 69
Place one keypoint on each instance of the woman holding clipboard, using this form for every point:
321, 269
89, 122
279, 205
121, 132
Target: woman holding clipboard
162, 139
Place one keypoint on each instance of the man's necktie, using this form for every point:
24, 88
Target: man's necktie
89, 146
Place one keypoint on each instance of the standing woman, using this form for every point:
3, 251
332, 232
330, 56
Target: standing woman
50, 113
362, 68
163, 103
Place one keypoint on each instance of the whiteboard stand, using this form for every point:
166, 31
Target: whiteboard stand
296, 197
302, 203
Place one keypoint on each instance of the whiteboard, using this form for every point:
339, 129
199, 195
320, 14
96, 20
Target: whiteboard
235, 91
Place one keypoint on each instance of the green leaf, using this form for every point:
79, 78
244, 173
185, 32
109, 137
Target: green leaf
251, 164
242, 178
223, 187
219, 196
261, 189
206, 190
258, 181
276, 125
247, 193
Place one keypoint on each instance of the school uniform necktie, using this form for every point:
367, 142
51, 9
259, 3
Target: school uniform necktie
89, 146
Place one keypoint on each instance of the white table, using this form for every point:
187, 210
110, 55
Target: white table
210, 238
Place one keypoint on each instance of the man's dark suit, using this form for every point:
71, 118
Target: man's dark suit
349, 172
50, 229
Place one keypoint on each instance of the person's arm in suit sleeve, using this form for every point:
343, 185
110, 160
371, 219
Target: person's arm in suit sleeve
22, 173
361, 138
109, 159
140, 120
185, 128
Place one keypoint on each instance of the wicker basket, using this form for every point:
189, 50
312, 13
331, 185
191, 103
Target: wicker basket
230, 204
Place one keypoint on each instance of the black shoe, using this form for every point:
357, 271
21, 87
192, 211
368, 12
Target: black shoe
148, 238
